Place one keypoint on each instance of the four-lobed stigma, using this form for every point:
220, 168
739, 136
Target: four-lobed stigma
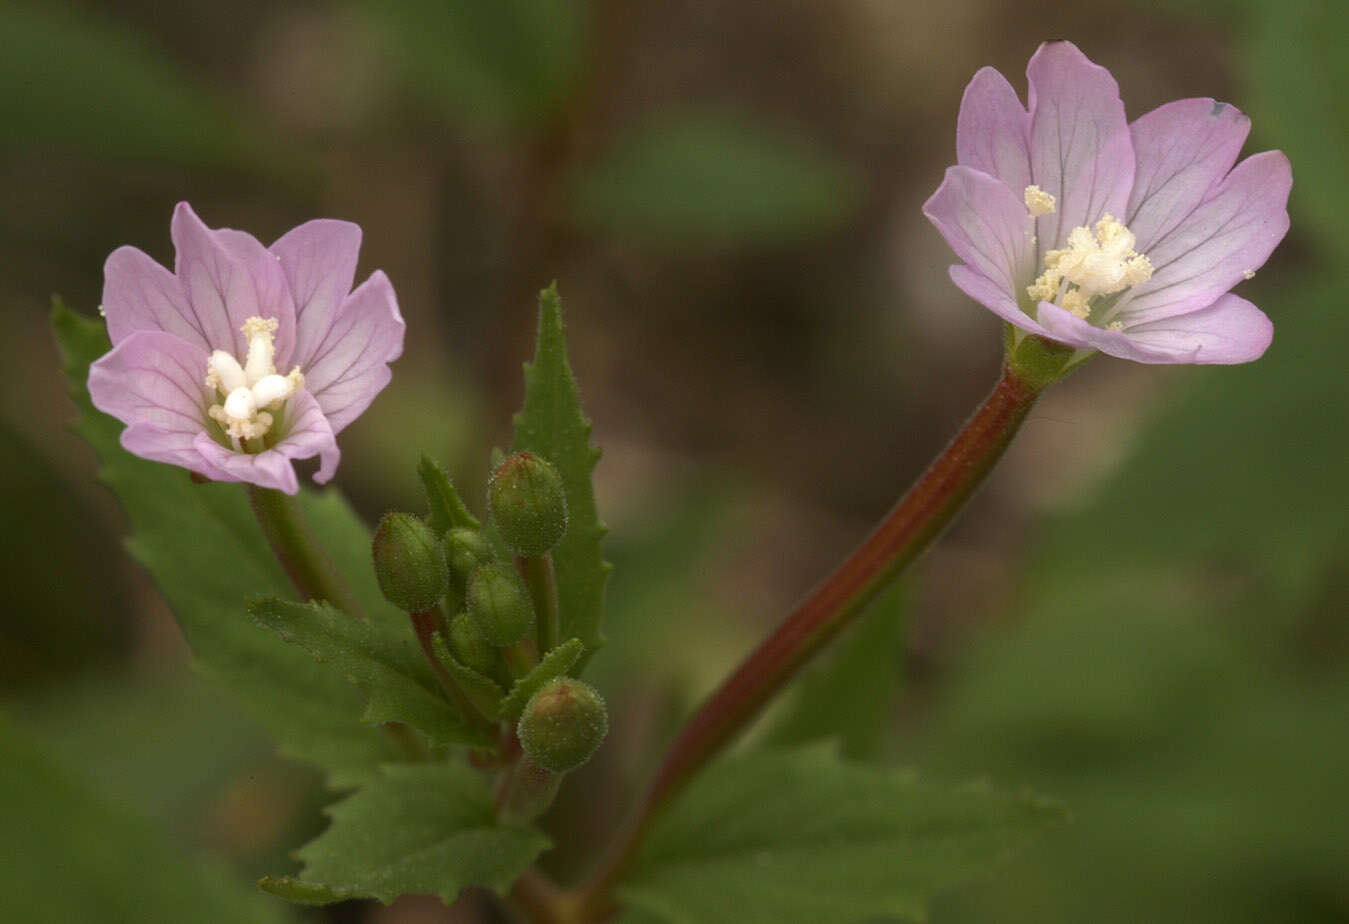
252, 391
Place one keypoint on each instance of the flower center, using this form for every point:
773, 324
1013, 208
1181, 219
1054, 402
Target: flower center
1095, 263
249, 392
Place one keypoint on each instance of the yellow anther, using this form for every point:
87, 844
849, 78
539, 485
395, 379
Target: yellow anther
1039, 202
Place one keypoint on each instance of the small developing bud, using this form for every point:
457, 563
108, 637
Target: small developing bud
409, 563
470, 647
465, 550
528, 504
563, 725
498, 602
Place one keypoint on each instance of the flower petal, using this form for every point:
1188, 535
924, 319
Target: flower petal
228, 277
1229, 331
993, 130
1230, 233
139, 294
176, 447
350, 363
268, 469
152, 378
986, 224
993, 297
1183, 150
319, 261
308, 435
1080, 149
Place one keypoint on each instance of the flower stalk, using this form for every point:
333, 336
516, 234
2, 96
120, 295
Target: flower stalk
907, 531
298, 550
542, 583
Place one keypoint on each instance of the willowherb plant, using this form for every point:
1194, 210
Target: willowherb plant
433, 671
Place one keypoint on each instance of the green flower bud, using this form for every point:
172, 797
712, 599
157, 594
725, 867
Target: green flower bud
470, 647
499, 604
465, 549
528, 504
409, 563
563, 724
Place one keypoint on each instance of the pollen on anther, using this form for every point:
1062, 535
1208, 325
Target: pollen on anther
1039, 202
1249, 274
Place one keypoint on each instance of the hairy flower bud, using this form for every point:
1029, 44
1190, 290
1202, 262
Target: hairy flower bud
563, 725
409, 563
465, 550
470, 647
499, 604
528, 504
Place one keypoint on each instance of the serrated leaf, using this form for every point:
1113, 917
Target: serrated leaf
552, 424
485, 692
419, 829
205, 552
447, 510
303, 893
554, 664
68, 853
803, 837
388, 667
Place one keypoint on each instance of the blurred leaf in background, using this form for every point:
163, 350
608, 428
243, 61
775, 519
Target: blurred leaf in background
78, 82
70, 621
690, 176
70, 853
494, 62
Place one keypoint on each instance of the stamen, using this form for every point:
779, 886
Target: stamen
1096, 262
1039, 202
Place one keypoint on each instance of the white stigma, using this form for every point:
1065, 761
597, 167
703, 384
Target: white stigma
253, 389
1093, 264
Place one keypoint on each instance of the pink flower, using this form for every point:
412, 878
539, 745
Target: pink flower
245, 357
1125, 238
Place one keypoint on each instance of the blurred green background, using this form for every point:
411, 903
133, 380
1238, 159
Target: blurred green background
1144, 615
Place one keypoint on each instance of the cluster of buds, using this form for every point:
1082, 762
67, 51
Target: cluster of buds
484, 603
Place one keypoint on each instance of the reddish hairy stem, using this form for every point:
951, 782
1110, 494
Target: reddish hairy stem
908, 529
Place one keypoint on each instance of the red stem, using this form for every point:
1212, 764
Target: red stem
909, 528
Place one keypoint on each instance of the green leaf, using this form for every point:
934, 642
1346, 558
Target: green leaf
303, 893
853, 695
803, 837
554, 664
553, 425
447, 510
420, 829
206, 553
388, 667
69, 853
702, 176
